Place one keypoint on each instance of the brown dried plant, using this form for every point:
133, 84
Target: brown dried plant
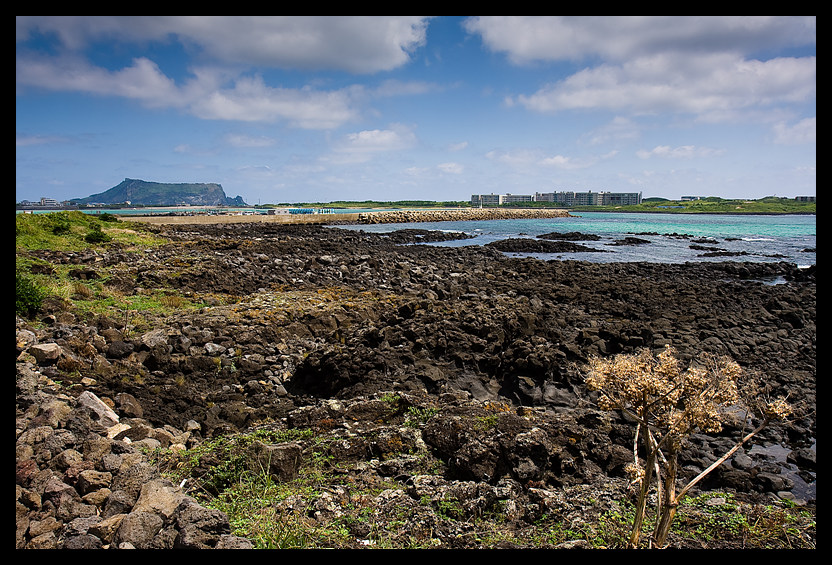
669, 404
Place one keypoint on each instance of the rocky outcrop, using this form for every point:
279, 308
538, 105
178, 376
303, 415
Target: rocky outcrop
305, 327
83, 481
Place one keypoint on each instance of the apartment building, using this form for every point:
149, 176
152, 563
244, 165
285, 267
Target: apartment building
566, 198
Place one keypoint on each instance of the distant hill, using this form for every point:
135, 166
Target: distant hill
144, 193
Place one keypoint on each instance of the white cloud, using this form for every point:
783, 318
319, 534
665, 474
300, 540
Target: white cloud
705, 86
404, 88
681, 152
705, 66
562, 162
524, 159
23, 140
141, 81
618, 129
525, 39
805, 131
247, 99
360, 44
251, 100
241, 140
361, 146
451, 168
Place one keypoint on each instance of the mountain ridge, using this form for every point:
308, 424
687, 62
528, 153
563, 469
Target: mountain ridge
148, 193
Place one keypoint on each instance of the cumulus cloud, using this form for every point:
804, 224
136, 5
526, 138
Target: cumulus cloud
706, 66
225, 50
526, 39
360, 44
251, 100
707, 86
361, 146
141, 81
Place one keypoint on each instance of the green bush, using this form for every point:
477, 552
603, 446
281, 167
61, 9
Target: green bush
60, 225
28, 295
95, 235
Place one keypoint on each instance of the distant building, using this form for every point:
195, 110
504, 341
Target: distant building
589, 198
485, 200
691, 198
805, 198
566, 198
509, 198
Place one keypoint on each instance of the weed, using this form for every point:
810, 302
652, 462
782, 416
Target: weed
28, 296
485, 423
417, 416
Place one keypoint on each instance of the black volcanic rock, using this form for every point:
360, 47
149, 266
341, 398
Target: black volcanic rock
527, 245
144, 193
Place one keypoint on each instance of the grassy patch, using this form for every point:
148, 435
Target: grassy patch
258, 507
76, 232
68, 231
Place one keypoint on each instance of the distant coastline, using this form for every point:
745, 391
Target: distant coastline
724, 207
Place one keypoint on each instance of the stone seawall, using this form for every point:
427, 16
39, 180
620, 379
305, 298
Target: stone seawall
457, 215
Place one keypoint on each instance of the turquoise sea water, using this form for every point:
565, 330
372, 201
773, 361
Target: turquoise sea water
760, 238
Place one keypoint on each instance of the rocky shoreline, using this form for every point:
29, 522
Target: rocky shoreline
316, 328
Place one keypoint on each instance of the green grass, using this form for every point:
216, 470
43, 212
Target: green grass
68, 230
714, 205
76, 232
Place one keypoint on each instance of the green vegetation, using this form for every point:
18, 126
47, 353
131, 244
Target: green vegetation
713, 205
67, 230
713, 519
75, 232
274, 514
221, 476
28, 295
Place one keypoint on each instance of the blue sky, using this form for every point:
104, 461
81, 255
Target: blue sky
320, 108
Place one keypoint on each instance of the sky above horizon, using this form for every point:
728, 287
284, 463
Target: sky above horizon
281, 109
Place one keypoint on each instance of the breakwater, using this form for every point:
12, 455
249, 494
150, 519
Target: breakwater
457, 215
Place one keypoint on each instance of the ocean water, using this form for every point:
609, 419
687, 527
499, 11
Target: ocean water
760, 238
